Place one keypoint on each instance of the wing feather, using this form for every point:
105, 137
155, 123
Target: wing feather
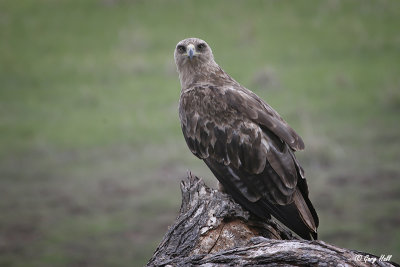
246, 102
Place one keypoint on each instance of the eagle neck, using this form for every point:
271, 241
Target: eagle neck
192, 74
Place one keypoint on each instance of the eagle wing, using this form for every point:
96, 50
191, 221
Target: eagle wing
249, 148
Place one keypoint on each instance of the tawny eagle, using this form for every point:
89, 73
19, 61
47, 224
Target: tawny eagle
246, 144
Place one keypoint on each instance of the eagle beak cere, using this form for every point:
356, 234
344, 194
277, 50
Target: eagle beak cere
191, 51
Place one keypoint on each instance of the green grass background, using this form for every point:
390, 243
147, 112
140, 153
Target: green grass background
91, 153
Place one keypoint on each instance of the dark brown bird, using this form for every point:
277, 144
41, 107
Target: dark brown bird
245, 143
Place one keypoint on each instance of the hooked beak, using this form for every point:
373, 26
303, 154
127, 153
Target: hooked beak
191, 51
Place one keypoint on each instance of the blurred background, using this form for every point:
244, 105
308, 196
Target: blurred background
91, 151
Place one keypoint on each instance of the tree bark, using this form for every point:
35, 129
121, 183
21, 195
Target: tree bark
213, 230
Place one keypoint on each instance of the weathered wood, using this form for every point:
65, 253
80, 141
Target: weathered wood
213, 230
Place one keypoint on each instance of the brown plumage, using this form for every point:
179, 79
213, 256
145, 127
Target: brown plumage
245, 143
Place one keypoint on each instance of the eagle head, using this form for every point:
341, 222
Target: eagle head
193, 52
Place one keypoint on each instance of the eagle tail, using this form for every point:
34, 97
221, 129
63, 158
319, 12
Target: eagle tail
293, 217
299, 216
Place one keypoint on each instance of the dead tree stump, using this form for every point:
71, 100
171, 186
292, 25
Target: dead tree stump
213, 230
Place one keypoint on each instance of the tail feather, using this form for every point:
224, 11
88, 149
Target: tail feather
299, 216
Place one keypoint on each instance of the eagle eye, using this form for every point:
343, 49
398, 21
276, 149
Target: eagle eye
201, 46
181, 49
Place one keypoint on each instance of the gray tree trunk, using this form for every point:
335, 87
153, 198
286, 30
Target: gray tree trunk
212, 230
